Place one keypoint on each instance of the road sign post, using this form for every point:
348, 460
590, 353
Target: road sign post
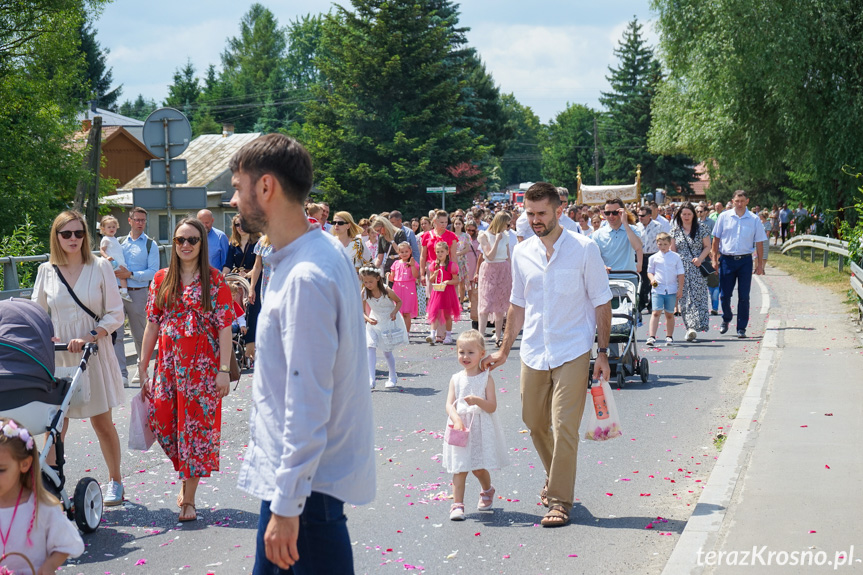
443, 191
166, 134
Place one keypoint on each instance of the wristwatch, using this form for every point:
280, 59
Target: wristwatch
602, 350
95, 334
224, 368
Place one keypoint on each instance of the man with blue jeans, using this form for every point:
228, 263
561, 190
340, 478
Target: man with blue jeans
737, 234
312, 440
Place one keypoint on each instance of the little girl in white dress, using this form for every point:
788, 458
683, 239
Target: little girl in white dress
385, 326
471, 405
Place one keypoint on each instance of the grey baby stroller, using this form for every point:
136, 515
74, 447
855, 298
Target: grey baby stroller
37, 395
623, 349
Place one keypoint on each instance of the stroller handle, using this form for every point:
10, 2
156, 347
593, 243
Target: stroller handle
88, 347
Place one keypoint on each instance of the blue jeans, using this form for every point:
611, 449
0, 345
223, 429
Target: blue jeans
323, 543
735, 271
714, 297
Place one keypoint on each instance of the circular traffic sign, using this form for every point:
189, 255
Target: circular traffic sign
179, 132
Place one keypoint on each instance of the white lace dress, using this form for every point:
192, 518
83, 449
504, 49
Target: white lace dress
381, 308
485, 448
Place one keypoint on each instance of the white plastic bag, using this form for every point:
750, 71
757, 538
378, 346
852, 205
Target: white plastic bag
141, 437
603, 422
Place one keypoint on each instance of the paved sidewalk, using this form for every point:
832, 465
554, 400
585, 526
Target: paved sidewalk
789, 481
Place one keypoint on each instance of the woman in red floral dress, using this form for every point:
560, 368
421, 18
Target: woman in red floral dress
190, 314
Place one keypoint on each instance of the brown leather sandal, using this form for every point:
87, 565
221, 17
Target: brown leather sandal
557, 516
184, 512
543, 494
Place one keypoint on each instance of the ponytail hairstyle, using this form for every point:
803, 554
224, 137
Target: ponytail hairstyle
372, 272
21, 446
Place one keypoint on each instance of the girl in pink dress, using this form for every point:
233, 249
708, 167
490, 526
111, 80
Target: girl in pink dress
403, 276
443, 306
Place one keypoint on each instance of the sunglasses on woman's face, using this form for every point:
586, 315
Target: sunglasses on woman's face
335, 223
67, 234
180, 240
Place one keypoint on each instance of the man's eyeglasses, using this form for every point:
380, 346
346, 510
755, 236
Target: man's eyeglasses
67, 234
614, 213
180, 240
643, 215
335, 223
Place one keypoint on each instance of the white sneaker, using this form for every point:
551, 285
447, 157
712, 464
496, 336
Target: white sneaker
430, 339
114, 494
691, 335
651, 341
124, 295
447, 340
391, 383
137, 378
125, 382
669, 341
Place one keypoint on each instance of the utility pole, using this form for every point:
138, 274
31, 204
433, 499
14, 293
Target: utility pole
595, 151
87, 192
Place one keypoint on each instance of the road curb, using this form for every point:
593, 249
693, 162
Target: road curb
710, 511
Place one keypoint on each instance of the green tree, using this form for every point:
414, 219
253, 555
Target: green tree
41, 72
98, 76
184, 92
139, 109
22, 242
633, 86
568, 144
253, 68
522, 161
389, 122
765, 89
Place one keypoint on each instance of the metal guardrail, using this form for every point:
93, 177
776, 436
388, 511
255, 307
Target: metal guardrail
11, 283
828, 246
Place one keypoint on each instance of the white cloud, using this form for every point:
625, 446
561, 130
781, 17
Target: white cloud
548, 66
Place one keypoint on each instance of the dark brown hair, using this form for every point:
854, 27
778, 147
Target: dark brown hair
282, 157
543, 191
171, 287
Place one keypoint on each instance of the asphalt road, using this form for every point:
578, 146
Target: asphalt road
624, 486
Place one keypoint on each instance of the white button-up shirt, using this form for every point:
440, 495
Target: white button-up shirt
559, 297
665, 268
738, 234
311, 423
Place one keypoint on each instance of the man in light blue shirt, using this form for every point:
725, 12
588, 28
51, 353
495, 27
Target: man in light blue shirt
312, 439
142, 263
217, 241
738, 234
619, 243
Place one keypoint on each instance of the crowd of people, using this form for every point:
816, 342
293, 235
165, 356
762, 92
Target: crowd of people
324, 297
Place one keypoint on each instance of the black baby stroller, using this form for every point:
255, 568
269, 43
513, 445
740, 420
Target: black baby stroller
37, 395
623, 356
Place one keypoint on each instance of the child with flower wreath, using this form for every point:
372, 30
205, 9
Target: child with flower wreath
33, 526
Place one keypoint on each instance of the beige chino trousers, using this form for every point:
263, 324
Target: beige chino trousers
552, 405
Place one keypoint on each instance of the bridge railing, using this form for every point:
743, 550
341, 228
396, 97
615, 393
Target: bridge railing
829, 246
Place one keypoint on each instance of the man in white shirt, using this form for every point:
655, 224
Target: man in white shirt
737, 234
648, 229
665, 225
560, 296
523, 228
312, 439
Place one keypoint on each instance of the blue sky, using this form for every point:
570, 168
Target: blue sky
546, 52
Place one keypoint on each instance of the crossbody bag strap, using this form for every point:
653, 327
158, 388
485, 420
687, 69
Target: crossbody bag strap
75, 297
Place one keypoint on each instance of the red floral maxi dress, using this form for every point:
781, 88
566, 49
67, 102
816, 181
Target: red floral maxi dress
186, 411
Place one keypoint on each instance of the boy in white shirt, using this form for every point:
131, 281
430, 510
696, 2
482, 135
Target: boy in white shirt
112, 250
662, 267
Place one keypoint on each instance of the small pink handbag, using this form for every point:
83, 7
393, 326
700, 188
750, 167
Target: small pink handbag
456, 437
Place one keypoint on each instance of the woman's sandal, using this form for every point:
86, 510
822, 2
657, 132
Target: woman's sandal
486, 499
557, 516
182, 494
183, 513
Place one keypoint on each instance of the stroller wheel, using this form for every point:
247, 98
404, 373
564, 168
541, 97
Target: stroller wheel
621, 380
644, 370
88, 504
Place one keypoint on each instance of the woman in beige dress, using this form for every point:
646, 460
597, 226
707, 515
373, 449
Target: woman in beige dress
94, 284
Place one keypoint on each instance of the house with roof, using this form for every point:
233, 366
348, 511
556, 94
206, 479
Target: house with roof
207, 160
134, 127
